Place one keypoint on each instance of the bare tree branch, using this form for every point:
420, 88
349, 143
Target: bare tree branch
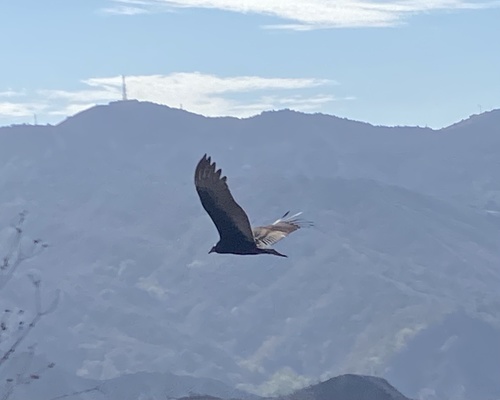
64, 396
13, 335
26, 330
15, 255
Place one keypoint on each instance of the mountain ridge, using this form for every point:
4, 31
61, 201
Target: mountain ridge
402, 241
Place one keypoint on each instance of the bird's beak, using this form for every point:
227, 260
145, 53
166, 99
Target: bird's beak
211, 251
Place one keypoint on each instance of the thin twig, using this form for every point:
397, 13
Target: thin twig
63, 396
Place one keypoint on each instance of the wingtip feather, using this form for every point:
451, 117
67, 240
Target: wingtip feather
294, 220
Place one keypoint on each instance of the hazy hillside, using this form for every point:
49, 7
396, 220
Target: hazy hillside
459, 348
396, 248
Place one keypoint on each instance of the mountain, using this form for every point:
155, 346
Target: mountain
345, 387
349, 387
404, 237
58, 383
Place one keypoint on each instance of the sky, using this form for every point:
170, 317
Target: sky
407, 62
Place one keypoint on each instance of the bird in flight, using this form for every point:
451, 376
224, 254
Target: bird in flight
231, 221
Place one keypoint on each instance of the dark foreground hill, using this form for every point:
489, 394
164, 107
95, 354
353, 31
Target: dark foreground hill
345, 387
349, 387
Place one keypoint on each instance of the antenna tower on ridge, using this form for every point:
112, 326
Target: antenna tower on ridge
124, 89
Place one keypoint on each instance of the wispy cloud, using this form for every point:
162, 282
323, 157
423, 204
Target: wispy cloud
313, 14
124, 10
12, 93
70, 109
17, 109
205, 94
12, 106
134, 7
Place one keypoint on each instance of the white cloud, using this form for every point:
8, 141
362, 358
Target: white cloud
124, 10
205, 94
134, 7
313, 14
16, 110
82, 96
70, 109
12, 93
211, 95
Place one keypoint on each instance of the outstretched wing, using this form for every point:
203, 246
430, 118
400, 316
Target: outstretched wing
229, 218
268, 235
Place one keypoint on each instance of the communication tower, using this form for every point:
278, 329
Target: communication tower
124, 89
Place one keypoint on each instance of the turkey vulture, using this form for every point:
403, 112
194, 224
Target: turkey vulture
236, 234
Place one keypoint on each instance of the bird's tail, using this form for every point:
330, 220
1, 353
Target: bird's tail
273, 252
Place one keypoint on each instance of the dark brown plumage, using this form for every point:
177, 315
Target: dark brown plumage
231, 221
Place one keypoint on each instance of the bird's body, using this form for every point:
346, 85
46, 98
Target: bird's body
231, 221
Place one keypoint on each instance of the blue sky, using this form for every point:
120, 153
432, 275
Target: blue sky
386, 62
